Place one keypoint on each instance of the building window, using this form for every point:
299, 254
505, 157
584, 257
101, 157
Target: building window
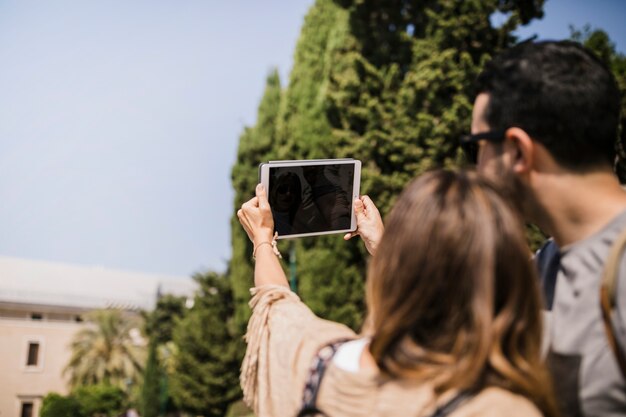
27, 409
33, 354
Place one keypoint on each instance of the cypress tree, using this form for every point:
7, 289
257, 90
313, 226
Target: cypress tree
304, 131
329, 272
150, 393
159, 326
256, 144
206, 376
388, 83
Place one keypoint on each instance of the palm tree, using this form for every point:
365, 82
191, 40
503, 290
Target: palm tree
108, 350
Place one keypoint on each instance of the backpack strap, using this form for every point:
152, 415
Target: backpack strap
548, 259
608, 298
314, 379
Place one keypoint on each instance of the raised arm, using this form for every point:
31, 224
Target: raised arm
256, 218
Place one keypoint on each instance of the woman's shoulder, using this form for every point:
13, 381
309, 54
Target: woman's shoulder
284, 310
496, 402
353, 393
283, 337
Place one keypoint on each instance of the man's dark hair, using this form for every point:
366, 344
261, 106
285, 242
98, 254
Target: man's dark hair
561, 95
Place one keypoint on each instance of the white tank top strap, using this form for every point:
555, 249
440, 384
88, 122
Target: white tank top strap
348, 356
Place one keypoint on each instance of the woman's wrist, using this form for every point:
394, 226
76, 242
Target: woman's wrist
261, 248
266, 243
263, 237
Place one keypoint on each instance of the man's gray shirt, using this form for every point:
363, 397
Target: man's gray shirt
575, 339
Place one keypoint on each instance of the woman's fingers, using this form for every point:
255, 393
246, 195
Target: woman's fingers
369, 205
250, 204
243, 219
261, 196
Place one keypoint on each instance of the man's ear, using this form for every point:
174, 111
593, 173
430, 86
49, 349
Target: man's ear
519, 143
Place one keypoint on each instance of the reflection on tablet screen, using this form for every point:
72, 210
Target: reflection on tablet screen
311, 199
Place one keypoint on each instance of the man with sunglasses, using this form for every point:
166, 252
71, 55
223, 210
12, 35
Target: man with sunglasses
545, 124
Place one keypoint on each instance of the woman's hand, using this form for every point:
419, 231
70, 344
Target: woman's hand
256, 218
369, 224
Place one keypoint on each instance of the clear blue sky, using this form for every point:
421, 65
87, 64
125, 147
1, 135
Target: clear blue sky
119, 121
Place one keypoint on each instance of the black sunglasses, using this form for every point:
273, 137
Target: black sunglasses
469, 143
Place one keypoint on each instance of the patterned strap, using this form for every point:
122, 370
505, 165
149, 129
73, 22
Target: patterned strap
454, 403
314, 379
316, 373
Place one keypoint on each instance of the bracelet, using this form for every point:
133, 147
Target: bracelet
273, 244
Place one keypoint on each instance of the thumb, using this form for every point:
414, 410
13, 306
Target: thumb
359, 208
262, 196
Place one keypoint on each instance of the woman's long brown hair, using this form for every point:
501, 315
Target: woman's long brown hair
452, 294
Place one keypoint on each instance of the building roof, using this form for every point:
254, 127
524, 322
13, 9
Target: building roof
66, 286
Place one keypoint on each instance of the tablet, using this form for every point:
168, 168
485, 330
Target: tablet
312, 197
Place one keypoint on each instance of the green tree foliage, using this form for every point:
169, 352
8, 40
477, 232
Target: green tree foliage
402, 94
256, 145
160, 323
206, 377
101, 400
159, 327
56, 405
389, 83
151, 389
105, 351
239, 409
598, 41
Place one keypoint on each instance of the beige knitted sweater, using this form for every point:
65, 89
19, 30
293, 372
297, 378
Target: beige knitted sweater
283, 337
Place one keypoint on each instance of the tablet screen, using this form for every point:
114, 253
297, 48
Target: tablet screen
311, 198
